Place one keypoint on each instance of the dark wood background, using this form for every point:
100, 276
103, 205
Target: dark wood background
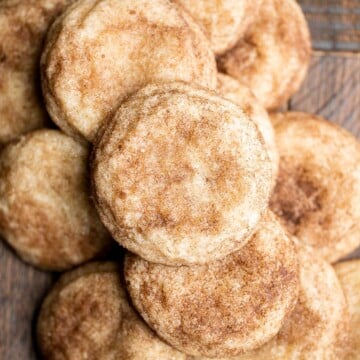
332, 89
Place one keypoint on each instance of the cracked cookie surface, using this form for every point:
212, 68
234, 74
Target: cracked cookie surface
181, 175
223, 308
317, 194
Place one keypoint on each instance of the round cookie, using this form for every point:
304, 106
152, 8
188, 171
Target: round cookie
87, 316
317, 194
23, 25
101, 51
240, 94
181, 175
223, 21
272, 58
222, 308
349, 276
46, 214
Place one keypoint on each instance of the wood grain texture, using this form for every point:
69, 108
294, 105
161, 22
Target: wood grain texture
334, 24
21, 291
332, 89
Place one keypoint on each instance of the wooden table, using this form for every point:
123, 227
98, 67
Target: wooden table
332, 89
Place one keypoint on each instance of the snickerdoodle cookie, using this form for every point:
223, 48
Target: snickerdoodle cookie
86, 316
317, 194
240, 94
223, 21
46, 213
23, 25
222, 308
181, 175
101, 51
272, 58
349, 276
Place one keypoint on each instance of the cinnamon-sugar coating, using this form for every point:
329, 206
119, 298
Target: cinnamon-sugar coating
318, 328
223, 21
222, 308
349, 277
86, 316
23, 26
317, 194
272, 58
46, 213
101, 51
240, 94
181, 175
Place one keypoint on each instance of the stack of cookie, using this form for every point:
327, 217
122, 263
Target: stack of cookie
231, 213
